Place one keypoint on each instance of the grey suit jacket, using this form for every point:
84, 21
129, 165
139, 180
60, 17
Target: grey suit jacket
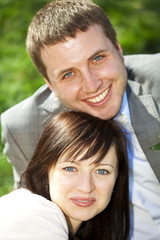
23, 124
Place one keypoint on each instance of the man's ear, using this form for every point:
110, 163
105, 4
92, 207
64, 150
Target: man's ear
49, 84
120, 51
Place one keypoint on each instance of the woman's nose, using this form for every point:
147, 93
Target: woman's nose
85, 183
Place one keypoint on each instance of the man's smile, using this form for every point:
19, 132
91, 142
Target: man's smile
100, 97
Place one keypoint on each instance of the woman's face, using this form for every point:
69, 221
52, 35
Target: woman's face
82, 189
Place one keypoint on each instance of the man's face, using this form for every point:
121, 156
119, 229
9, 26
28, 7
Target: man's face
87, 73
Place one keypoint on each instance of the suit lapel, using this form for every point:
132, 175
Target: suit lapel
146, 123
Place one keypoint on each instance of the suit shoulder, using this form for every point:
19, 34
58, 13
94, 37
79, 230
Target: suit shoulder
33, 111
144, 69
138, 61
43, 100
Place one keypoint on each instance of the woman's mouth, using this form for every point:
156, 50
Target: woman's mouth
83, 202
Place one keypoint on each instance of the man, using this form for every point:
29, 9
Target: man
74, 47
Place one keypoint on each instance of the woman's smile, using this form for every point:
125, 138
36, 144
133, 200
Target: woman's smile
83, 202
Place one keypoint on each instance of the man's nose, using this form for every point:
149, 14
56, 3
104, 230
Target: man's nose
85, 183
91, 82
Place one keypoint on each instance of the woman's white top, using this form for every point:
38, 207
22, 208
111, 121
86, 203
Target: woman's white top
28, 216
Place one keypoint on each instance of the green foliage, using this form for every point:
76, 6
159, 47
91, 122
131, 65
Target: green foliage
18, 78
6, 179
137, 25
156, 147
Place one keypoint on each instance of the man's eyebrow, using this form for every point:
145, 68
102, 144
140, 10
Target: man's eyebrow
71, 69
64, 71
96, 53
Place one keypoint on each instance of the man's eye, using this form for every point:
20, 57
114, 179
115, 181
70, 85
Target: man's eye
96, 59
102, 171
70, 169
67, 75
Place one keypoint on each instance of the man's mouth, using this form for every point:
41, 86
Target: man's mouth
100, 97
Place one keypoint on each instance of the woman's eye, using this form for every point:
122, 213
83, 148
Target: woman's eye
102, 171
70, 169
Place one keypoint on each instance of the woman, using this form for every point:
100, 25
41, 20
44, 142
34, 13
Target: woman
80, 165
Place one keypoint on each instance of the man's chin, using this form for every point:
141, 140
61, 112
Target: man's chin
107, 115
103, 114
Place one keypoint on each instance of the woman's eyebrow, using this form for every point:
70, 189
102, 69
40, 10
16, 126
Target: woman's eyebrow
68, 161
106, 164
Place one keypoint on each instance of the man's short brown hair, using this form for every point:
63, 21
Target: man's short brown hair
60, 19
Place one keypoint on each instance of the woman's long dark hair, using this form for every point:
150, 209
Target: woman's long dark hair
74, 133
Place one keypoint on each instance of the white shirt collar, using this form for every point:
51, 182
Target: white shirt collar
125, 107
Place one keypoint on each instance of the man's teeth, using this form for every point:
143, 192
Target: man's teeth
99, 98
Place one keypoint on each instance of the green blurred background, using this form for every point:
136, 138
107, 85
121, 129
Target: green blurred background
137, 24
